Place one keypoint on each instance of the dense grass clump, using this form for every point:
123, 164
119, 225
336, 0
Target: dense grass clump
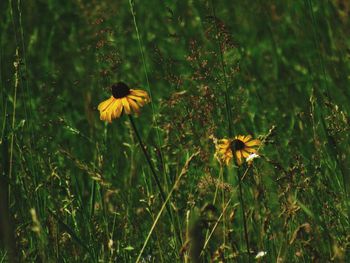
162, 185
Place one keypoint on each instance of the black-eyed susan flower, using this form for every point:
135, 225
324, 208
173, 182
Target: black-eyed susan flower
123, 99
240, 147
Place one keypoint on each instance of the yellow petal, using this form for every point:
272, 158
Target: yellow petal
247, 138
119, 110
245, 154
222, 152
250, 150
104, 104
240, 137
109, 115
133, 105
139, 100
239, 157
223, 146
103, 116
126, 105
116, 109
138, 92
253, 143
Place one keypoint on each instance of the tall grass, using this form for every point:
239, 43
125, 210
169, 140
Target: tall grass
74, 189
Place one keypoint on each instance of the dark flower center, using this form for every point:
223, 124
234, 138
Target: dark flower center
120, 90
237, 145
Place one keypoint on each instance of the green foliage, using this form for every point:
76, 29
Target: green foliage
75, 189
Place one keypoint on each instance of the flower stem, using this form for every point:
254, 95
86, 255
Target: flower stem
156, 178
243, 212
150, 164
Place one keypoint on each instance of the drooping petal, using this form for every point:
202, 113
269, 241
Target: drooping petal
115, 108
240, 137
223, 146
250, 150
104, 104
139, 100
112, 107
223, 141
138, 92
126, 105
133, 105
247, 138
253, 143
109, 112
119, 109
245, 154
239, 157
103, 116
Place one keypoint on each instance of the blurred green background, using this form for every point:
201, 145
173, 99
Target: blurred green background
76, 189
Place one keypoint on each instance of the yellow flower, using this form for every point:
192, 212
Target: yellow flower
240, 147
123, 99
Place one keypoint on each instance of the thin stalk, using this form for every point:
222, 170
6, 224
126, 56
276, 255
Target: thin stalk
241, 200
93, 199
14, 115
6, 227
221, 215
146, 76
223, 212
155, 176
217, 185
227, 98
176, 184
215, 226
149, 161
214, 201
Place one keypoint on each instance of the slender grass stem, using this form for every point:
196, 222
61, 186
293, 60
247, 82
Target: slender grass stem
93, 199
221, 215
215, 226
227, 99
14, 114
223, 211
139, 39
148, 158
214, 200
183, 172
241, 200
217, 185
6, 227
155, 176
6, 175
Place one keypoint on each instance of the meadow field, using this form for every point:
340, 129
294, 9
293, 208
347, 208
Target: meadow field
175, 131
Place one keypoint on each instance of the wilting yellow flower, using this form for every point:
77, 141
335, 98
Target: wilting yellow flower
123, 98
240, 147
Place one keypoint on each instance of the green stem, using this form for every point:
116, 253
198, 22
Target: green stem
223, 211
150, 164
155, 176
227, 99
243, 212
146, 75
